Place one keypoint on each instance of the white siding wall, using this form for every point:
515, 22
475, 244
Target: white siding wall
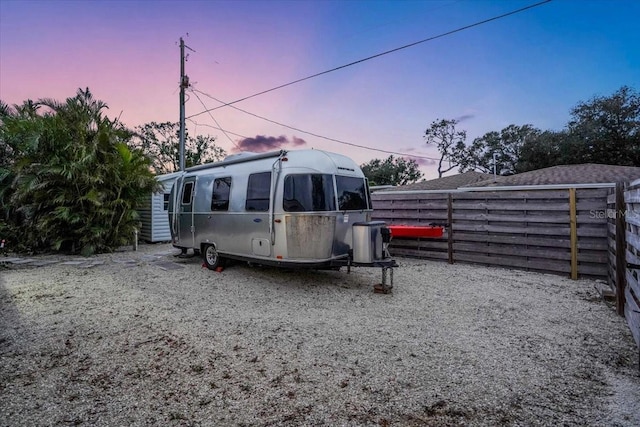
145, 219
153, 216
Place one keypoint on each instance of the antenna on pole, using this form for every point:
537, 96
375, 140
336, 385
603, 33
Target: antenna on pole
184, 83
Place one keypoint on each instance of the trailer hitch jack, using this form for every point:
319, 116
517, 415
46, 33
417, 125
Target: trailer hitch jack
384, 287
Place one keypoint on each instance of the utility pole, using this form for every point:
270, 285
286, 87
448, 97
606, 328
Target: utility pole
182, 87
184, 83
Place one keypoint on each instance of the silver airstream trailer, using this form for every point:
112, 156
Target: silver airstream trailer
300, 208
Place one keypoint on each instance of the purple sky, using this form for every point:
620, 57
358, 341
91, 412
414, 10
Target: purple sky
532, 67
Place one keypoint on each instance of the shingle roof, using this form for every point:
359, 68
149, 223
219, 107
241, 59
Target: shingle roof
446, 183
587, 173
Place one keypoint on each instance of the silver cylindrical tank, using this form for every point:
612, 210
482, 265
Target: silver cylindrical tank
367, 242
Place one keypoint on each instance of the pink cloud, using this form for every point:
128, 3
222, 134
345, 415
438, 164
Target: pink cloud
263, 143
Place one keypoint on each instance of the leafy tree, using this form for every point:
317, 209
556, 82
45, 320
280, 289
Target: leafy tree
392, 171
603, 130
505, 146
543, 150
75, 183
161, 142
449, 142
609, 128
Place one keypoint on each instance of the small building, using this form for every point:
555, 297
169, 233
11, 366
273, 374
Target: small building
154, 213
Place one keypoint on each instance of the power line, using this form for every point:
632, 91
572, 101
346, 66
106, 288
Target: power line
448, 33
312, 133
217, 128
272, 144
213, 118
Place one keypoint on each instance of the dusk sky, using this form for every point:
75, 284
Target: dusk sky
527, 68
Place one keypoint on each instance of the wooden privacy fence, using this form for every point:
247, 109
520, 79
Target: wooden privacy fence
540, 228
628, 279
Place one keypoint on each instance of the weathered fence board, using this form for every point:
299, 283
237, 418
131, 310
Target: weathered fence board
537, 264
615, 249
537, 219
427, 254
554, 242
632, 284
632, 196
632, 314
632, 307
633, 240
593, 244
413, 204
516, 194
502, 249
593, 232
633, 218
593, 257
505, 206
410, 215
440, 244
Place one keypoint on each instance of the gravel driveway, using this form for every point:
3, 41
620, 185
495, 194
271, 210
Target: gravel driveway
146, 339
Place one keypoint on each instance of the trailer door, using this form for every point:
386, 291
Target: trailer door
186, 228
257, 206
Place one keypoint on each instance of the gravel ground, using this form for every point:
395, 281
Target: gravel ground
134, 342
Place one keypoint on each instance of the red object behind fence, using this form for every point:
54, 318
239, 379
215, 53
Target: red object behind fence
416, 231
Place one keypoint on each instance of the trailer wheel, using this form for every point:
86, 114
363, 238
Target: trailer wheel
211, 257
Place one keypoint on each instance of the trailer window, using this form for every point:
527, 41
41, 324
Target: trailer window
368, 193
258, 192
220, 195
186, 193
352, 194
308, 192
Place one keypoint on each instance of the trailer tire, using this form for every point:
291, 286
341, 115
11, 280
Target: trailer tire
211, 258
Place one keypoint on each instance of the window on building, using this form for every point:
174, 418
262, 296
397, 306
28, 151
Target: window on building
368, 194
165, 203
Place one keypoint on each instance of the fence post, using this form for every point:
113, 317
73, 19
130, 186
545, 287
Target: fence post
573, 225
621, 247
450, 230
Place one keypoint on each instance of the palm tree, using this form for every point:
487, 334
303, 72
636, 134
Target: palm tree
77, 188
18, 134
